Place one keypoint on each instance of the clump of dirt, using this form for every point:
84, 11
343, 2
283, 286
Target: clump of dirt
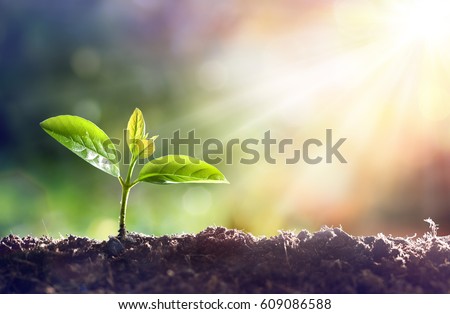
220, 260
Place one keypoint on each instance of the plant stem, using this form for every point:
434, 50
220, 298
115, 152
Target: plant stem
123, 211
126, 187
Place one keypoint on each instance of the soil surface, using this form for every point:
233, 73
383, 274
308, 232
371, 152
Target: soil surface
219, 260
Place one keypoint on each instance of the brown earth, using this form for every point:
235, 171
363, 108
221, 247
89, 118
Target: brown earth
219, 260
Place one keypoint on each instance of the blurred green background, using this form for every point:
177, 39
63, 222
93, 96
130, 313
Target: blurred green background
229, 69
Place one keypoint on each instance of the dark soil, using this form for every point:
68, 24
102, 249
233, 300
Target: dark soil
219, 260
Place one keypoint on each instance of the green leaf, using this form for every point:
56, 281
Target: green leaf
148, 147
136, 131
85, 139
180, 169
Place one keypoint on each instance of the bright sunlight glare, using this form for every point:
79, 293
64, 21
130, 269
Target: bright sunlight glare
424, 20
385, 65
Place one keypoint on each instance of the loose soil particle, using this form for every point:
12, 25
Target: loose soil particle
219, 260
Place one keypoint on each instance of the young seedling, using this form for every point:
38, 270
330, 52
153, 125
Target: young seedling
89, 142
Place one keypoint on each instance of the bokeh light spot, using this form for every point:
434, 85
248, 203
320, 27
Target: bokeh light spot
197, 200
101, 229
86, 62
88, 109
